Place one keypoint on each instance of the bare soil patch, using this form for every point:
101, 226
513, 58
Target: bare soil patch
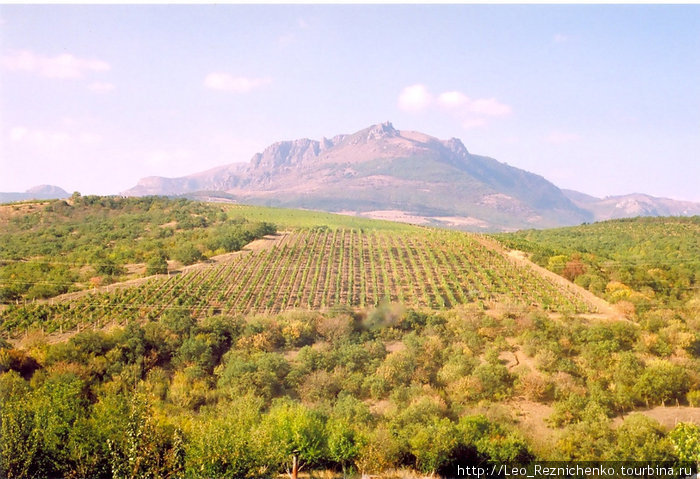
13, 210
531, 420
395, 215
669, 416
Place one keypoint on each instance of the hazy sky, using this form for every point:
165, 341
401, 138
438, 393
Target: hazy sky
602, 99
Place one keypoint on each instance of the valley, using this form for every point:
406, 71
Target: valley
344, 344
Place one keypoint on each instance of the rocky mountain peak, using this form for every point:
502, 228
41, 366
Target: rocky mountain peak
456, 146
286, 153
382, 130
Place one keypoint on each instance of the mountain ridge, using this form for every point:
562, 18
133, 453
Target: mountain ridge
630, 205
382, 172
384, 169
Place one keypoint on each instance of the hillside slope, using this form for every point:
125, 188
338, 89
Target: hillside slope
317, 269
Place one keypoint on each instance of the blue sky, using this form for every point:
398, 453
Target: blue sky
599, 98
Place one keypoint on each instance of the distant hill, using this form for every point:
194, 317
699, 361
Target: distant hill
636, 204
382, 172
41, 192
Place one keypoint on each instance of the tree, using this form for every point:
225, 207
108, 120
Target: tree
685, 438
224, 442
157, 264
342, 442
640, 438
18, 447
492, 440
187, 254
106, 266
57, 404
432, 444
378, 450
298, 433
662, 381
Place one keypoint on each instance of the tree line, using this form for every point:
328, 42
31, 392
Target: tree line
349, 391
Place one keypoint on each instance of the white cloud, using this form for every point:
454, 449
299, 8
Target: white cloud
227, 82
62, 66
415, 98
18, 133
46, 139
489, 107
471, 113
481, 106
453, 99
38, 138
101, 87
558, 137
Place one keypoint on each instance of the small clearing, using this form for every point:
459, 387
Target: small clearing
669, 416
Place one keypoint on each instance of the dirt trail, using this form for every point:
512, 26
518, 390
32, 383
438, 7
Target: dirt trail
266, 242
263, 243
605, 309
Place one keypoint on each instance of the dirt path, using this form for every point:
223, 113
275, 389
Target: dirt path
605, 309
263, 243
266, 242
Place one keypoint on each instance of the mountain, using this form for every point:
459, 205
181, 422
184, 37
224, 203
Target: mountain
636, 204
382, 172
41, 192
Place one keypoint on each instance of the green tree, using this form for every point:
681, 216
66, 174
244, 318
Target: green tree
298, 433
685, 438
662, 381
432, 444
640, 438
492, 440
342, 442
157, 264
18, 444
57, 404
187, 254
225, 442
378, 450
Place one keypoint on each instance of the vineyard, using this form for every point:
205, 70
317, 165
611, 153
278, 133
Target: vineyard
318, 268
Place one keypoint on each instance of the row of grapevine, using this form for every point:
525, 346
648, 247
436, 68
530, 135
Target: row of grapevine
319, 269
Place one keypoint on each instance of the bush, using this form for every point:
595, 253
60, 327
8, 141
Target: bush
188, 254
157, 265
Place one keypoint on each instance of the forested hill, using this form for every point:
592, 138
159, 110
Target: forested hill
648, 263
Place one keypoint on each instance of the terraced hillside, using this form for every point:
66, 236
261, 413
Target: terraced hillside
317, 268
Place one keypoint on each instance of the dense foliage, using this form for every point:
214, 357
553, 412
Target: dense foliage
344, 390
649, 262
58, 246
